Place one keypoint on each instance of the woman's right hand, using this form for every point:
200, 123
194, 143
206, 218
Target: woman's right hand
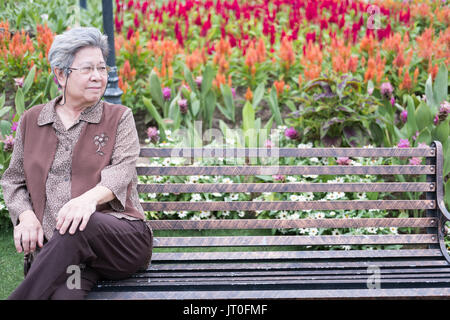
28, 232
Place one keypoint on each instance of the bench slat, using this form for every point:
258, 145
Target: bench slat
285, 187
289, 205
288, 223
274, 294
286, 152
305, 273
275, 281
284, 170
235, 267
244, 241
288, 255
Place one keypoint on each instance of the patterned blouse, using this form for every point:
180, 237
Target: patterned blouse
58, 185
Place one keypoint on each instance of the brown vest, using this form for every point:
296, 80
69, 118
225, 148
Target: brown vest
40, 143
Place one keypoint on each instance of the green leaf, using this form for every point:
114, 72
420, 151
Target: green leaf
411, 124
442, 131
258, 94
273, 104
228, 100
5, 127
155, 89
19, 102
4, 111
210, 106
208, 76
154, 113
224, 111
190, 80
2, 100
29, 80
424, 137
440, 88
423, 116
430, 94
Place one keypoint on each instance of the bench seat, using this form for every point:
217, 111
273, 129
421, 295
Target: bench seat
263, 263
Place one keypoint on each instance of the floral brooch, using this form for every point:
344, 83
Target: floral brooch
100, 142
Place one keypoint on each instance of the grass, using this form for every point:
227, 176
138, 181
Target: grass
11, 264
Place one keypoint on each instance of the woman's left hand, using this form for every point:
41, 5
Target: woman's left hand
73, 212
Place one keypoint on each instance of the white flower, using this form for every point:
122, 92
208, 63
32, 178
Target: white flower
152, 195
196, 197
216, 194
241, 213
393, 230
305, 146
204, 214
227, 180
225, 213
313, 231
314, 160
372, 230
234, 197
182, 214
291, 179
320, 215
195, 217
294, 197
332, 213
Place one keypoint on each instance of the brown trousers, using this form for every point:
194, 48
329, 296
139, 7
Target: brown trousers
108, 248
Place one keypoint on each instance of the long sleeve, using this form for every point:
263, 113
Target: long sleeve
117, 176
15, 193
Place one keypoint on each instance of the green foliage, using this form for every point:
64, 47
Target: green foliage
336, 111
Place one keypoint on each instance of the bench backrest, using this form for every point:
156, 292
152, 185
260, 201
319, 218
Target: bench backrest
409, 195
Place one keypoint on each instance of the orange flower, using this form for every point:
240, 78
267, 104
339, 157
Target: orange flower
312, 60
44, 38
416, 75
406, 83
300, 79
193, 60
279, 86
261, 50
251, 58
248, 94
287, 54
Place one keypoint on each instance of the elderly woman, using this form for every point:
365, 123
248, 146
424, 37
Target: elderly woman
71, 184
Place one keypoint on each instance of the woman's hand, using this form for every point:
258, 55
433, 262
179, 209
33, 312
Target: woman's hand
28, 232
73, 212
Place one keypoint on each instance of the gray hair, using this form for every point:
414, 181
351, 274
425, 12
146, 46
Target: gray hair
66, 45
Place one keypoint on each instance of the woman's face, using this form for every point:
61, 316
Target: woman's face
86, 82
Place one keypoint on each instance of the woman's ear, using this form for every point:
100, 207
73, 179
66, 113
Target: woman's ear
60, 76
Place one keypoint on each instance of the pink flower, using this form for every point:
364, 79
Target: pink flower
415, 161
166, 93
182, 103
279, 177
198, 81
436, 120
291, 133
343, 161
392, 100
269, 144
14, 126
153, 134
8, 143
386, 89
19, 81
404, 143
404, 116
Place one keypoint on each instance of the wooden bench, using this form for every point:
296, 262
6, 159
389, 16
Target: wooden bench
256, 263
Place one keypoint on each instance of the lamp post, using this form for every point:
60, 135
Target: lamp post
113, 92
